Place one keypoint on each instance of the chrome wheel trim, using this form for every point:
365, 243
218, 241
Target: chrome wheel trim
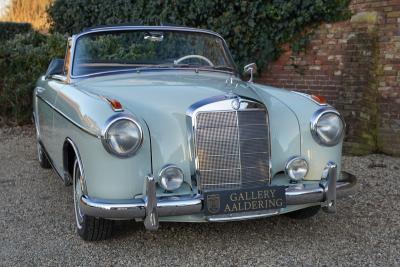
77, 194
39, 152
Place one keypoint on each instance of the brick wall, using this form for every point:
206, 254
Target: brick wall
356, 65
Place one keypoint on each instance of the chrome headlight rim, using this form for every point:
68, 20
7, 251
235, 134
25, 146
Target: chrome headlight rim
104, 135
290, 161
163, 170
314, 124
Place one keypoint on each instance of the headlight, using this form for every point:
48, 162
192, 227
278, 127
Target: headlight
296, 168
327, 127
170, 177
122, 137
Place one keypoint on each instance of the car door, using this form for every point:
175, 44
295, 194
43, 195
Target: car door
45, 96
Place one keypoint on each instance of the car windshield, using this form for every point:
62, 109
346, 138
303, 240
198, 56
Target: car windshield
102, 52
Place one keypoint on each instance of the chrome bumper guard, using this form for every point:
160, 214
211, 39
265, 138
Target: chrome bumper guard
152, 207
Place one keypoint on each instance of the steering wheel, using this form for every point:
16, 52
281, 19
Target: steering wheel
193, 56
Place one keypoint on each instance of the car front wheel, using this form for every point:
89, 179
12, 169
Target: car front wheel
89, 228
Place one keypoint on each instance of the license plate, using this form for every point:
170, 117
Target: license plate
244, 200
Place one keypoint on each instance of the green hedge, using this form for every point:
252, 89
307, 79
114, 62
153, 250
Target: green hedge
22, 60
254, 30
9, 29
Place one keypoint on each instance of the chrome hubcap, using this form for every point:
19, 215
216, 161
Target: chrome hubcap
39, 152
77, 195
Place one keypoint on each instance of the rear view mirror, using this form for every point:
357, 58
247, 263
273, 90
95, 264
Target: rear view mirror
56, 67
154, 36
251, 69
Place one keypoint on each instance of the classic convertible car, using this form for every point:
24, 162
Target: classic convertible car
155, 124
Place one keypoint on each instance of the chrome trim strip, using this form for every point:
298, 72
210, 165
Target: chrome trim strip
67, 118
97, 74
150, 28
243, 216
36, 126
114, 118
314, 121
238, 138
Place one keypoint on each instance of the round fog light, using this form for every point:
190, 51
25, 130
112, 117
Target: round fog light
170, 177
296, 168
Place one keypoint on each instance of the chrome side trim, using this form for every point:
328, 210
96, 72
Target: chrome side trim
36, 126
68, 118
314, 121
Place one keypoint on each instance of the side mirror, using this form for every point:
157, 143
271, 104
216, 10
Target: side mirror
56, 67
252, 69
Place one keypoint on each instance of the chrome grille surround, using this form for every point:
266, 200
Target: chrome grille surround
229, 144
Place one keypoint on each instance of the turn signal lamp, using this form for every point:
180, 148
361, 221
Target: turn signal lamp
115, 104
320, 99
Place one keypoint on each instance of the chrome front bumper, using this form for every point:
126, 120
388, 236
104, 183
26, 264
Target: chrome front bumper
152, 207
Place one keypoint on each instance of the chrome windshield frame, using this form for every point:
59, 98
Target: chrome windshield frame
105, 29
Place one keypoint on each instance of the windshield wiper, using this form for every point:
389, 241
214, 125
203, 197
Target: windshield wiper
168, 66
221, 67
165, 66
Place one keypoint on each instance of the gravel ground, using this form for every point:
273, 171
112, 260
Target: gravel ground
37, 224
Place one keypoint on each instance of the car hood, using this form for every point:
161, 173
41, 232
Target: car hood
162, 99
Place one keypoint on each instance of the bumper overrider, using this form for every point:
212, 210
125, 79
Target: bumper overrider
151, 207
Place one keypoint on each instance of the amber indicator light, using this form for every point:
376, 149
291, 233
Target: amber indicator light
115, 104
319, 98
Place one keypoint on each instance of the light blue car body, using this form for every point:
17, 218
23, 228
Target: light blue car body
68, 109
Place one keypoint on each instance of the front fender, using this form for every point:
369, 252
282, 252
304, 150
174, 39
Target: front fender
303, 108
81, 117
284, 127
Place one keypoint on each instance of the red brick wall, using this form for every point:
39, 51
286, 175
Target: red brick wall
356, 65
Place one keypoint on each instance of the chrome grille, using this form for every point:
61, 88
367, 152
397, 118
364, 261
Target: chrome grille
232, 149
